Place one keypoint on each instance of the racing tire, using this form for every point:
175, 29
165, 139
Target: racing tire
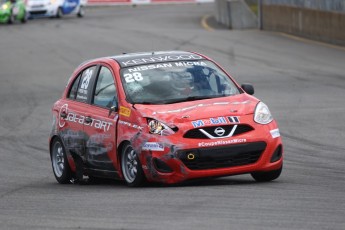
81, 12
59, 13
11, 19
131, 167
267, 176
25, 18
61, 169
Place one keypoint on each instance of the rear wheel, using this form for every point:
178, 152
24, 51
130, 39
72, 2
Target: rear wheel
61, 169
131, 167
267, 176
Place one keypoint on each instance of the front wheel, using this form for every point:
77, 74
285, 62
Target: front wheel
81, 12
131, 167
267, 176
61, 169
59, 13
25, 17
11, 18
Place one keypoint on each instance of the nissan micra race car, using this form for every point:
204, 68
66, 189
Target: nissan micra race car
161, 117
55, 8
12, 10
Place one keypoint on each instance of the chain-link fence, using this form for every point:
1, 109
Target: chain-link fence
324, 5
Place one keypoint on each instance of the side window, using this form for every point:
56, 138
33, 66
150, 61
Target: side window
74, 88
105, 92
84, 85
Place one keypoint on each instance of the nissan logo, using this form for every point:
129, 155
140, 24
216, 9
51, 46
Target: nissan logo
219, 131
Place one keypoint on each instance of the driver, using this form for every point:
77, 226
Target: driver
182, 82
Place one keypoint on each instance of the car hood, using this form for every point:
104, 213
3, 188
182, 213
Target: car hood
37, 2
238, 105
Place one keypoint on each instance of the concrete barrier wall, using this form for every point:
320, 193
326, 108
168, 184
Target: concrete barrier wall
323, 5
327, 26
235, 14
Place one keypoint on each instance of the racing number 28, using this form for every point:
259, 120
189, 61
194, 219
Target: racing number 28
133, 77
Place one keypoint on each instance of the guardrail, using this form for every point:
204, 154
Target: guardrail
235, 14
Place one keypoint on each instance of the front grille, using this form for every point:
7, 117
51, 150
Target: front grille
198, 134
38, 12
222, 157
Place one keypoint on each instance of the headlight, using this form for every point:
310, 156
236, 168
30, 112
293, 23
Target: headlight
262, 114
157, 127
4, 6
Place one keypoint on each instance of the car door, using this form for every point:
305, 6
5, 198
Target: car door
69, 5
101, 132
72, 112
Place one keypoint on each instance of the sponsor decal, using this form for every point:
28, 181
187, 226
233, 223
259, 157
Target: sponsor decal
76, 118
86, 79
83, 89
125, 111
165, 65
221, 142
63, 109
234, 119
130, 125
70, 4
210, 121
275, 133
149, 67
189, 63
161, 59
154, 146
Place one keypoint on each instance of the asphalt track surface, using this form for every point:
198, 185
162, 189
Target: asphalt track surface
302, 82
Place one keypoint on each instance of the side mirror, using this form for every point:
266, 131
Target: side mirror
113, 106
112, 109
248, 88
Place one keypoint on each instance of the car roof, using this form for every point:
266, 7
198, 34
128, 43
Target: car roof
133, 59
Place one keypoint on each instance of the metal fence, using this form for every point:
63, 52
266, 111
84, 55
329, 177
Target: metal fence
324, 5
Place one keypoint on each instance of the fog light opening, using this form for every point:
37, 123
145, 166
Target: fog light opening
161, 166
278, 153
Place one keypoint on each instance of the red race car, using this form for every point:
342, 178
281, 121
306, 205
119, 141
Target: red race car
161, 117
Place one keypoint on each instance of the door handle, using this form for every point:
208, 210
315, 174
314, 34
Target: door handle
63, 115
88, 120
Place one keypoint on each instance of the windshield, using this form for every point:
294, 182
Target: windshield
173, 82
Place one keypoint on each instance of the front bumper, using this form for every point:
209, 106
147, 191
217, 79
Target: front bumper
42, 11
255, 151
4, 15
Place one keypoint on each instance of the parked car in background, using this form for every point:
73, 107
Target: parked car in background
12, 10
55, 8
